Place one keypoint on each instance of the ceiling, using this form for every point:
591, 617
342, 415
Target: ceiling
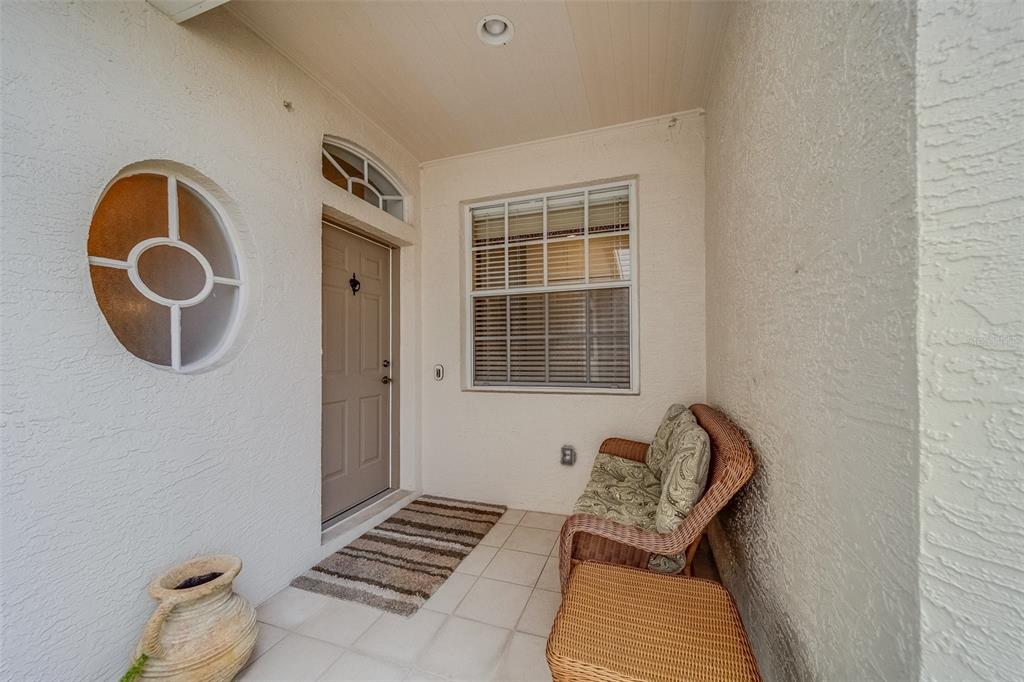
420, 71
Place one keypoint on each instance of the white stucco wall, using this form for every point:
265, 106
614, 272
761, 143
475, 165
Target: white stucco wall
970, 147
811, 297
113, 470
504, 447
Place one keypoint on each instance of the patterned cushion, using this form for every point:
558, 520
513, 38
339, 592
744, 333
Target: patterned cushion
683, 483
627, 492
621, 490
659, 456
666, 564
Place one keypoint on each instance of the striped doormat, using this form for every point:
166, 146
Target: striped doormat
400, 563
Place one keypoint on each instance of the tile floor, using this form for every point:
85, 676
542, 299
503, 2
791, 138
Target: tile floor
488, 621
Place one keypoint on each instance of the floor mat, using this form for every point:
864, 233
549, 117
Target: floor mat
400, 563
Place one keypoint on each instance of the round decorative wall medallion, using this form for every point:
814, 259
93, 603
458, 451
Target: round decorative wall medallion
164, 270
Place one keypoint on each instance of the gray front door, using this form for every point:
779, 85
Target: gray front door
356, 411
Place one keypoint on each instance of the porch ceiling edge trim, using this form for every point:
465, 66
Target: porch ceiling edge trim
688, 113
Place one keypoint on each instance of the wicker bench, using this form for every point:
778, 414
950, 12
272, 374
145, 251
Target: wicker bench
624, 624
586, 537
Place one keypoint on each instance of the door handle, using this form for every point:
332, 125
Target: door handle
385, 380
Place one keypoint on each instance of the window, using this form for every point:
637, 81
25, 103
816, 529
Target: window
552, 293
348, 167
164, 270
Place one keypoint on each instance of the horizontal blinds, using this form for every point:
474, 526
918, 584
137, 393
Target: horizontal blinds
559, 338
609, 210
572, 251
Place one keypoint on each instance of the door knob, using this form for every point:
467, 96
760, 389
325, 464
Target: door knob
385, 380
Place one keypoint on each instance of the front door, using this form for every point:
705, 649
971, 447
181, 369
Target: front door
356, 411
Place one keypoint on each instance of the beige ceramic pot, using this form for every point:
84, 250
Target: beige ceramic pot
201, 629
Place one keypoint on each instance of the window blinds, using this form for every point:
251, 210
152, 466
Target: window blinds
550, 290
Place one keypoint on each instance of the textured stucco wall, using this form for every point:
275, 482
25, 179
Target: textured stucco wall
113, 470
504, 447
970, 146
811, 251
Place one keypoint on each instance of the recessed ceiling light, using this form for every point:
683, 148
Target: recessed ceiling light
495, 30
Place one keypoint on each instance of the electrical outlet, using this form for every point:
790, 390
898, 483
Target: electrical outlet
568, 455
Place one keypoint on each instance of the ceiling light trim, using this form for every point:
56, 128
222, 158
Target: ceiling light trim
495, 30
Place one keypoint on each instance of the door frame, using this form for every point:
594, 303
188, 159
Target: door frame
394, 458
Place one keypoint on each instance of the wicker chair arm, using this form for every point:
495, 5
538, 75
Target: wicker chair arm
627, 449
672, 543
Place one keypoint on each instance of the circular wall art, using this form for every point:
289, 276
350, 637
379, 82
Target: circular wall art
164, 270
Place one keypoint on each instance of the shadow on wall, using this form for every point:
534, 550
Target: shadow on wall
789, 660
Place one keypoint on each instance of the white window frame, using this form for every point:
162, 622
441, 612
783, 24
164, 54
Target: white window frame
368, 162
468, 293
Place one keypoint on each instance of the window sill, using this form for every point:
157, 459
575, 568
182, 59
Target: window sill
568, 390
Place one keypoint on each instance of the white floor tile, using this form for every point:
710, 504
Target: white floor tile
549, 579
512, 516
465, 649
524, 661
497, 535
420, 676
534, 540
266, 637
542, 520
495, 602
355, 667
294, 659
511, 566
400, 639
555, 549
451, 592
291, 607
539, 613
341, 622
477, 560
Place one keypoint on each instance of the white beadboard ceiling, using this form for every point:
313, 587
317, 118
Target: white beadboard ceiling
419, 70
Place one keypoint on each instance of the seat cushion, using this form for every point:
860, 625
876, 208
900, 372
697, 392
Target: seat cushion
619, 623
659, 456
626, 492
683, 482
621, 490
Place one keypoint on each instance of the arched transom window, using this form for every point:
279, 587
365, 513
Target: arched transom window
350, 168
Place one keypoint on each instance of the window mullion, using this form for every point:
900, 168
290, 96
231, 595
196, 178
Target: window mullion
337, 166
506, 246
547, 340
586, 236
546, 295
508, 339
544, 242
176, 337
586, 337
572, 286
173, 222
